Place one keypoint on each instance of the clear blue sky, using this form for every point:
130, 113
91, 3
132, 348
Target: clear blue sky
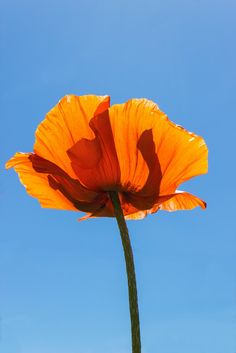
63, 283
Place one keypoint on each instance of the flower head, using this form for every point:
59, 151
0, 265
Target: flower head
84, 148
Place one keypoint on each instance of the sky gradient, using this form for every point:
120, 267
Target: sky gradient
62, 283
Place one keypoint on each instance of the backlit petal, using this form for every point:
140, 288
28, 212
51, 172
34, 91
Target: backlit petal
52, 186
154, 154
181, 154
65, 125
36, 184
132, 125
95, 161
182, 200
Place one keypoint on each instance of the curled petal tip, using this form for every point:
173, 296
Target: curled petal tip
85, 218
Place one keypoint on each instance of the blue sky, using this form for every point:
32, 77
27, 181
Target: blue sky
62, 283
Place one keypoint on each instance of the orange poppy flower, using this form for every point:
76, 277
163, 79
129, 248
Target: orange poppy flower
85, 148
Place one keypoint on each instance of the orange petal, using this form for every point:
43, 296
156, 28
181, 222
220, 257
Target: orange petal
65, 125
132, 125
136, 216
36, 184
154, 154
181, 200
52, 186
95, 161
181, 154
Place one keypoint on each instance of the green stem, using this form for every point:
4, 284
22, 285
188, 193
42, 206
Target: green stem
133, 297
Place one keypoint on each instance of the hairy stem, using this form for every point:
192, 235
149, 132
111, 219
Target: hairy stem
133, 297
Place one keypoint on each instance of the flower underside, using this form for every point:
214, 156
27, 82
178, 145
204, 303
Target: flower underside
84, 149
